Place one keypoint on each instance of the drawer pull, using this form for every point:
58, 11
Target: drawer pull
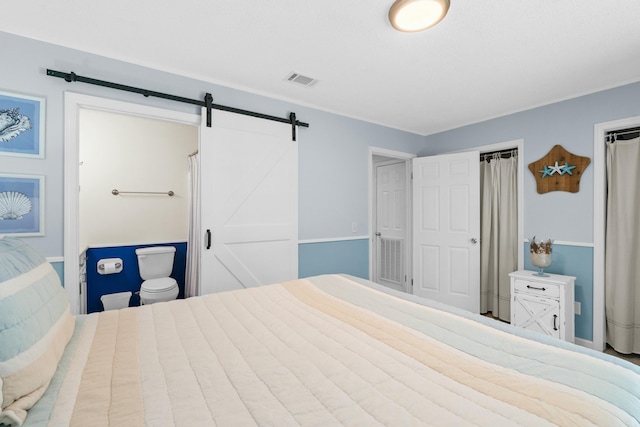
555, 326
536, 288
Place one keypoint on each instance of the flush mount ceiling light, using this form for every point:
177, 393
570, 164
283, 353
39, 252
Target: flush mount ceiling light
417, 15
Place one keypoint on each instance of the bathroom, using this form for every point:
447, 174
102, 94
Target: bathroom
143, 160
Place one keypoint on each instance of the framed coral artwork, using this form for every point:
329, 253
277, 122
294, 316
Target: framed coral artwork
21, 125
21, 205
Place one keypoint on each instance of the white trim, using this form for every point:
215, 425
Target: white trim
373, 151
332, 239
565, 243
51, 259
585, 343
115, 245
599, 223
391, 153
73, 103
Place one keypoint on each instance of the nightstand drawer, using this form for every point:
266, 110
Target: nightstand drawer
536, 288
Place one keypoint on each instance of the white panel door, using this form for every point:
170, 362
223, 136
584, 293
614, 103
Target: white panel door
391, 229
249, 203
446, 229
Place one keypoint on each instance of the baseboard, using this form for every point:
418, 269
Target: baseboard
586, 343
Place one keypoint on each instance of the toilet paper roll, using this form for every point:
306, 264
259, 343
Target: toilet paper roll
110, 268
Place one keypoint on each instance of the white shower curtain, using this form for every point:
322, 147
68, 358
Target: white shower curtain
622, 277
192, 279
499, 233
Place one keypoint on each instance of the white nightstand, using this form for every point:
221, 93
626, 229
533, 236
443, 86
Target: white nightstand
543, 304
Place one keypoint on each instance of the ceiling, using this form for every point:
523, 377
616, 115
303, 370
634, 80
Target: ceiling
485, 59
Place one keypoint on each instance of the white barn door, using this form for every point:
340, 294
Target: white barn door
446, 227
249, 203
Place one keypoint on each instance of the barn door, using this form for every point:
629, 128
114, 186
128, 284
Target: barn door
249, 203
446, 227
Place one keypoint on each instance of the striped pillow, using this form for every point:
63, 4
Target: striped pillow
35, 327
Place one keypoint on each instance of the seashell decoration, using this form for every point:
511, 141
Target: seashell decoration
540, 254
12, 124
13, 205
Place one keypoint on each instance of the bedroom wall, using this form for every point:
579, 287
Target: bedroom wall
333, 151
333, 157
565, 217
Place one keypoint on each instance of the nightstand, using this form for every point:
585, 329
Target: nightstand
543, 304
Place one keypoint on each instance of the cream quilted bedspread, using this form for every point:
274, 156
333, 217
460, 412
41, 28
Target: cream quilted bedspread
325, 351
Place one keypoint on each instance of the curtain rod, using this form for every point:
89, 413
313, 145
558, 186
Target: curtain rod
207, 102
624, 132
613, 135
509, 151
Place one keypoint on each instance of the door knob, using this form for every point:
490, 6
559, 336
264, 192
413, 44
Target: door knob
378, 233
474, 240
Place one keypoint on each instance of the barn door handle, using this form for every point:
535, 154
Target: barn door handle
208, 239
555, 317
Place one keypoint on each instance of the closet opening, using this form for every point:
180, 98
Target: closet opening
499, 225
622, 232
602, 135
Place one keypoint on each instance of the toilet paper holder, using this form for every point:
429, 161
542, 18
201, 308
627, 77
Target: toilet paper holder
110, 266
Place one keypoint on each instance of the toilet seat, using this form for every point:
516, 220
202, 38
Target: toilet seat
159, 285
158, 290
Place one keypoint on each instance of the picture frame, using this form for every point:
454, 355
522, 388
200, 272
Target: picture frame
22, 125
21, 205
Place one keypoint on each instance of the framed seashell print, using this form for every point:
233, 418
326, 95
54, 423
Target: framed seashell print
21, 205
22, 126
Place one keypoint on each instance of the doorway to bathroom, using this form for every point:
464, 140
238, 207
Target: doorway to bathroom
133, 193
121, 162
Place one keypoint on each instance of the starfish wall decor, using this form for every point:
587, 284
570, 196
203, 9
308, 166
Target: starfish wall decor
559, 170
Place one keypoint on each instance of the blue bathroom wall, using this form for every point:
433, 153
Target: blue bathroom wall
129, 278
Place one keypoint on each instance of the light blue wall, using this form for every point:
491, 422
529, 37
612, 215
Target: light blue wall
559, 215
59, 268
350, 257
333, 151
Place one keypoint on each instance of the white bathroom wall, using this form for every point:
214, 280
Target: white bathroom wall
133, 154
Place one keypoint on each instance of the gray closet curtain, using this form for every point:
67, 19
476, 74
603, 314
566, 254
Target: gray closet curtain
622, 269
498, 233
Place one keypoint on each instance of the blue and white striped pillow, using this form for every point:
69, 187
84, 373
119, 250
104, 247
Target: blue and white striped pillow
35, 327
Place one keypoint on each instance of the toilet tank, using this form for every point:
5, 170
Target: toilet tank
155, 262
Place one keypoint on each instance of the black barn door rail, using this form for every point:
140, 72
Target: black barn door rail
207, 102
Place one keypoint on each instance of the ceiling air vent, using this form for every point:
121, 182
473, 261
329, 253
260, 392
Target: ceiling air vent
301, 80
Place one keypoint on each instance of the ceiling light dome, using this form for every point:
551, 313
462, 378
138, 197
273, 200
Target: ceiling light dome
417, 15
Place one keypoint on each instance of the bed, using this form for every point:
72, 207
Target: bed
325, 350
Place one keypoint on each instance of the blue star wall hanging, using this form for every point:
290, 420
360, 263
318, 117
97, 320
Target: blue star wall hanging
559, 170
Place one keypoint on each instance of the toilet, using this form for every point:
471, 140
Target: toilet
155, 264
